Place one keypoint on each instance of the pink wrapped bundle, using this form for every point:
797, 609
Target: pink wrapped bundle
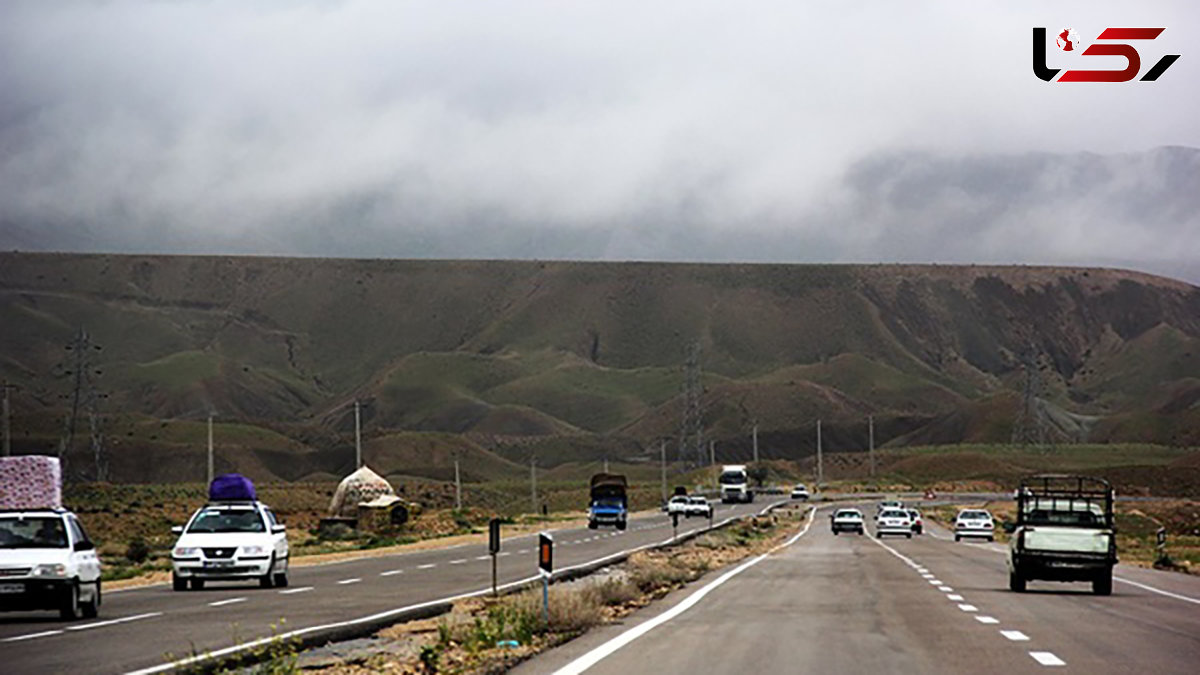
30, 482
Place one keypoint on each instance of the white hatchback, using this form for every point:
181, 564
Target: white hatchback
48, 562
230, 541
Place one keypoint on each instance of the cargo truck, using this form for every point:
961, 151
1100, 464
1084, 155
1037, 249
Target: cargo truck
735, 484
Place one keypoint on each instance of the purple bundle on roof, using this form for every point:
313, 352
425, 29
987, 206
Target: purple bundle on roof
230, 487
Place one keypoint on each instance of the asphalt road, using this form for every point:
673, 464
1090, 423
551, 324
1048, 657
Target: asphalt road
853, 604
149, 627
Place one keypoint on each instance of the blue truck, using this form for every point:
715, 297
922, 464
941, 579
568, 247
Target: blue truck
609, 502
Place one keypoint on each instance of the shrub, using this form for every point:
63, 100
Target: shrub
138, 551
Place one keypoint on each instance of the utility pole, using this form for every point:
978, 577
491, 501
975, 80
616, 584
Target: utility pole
457, 485
662, 463
7, 420
691, 433
820, 460
533, 482
357, 435
871, 441
712, 453
756, 442
83, 393
210, 449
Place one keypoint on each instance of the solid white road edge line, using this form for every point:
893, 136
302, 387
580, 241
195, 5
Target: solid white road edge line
30, 636
1158, 590
183, 663
594, 656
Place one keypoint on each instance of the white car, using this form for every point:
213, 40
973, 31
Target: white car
847, 520
893, 521
885, 505
678, 504
698, 506
974, 523
48, 562
230, 541
800, 492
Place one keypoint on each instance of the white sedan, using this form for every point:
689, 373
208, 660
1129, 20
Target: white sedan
893, 521
974, 523
698, 506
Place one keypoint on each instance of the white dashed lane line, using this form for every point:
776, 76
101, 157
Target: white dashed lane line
230, 601
345, 582
482, 557
987, 619
945, 589
302, 589
391, 573
427, 566
458, 562
112, 622
1015, 635
1047, 659
968, 608
955, 597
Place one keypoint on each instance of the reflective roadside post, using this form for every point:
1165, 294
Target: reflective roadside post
1161, 536
674, 525
546, 569
494, 548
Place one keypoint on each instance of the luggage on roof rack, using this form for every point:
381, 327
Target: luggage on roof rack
232, 487
30, 482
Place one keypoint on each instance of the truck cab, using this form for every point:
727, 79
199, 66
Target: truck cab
1063, 532
609, 503
735, 484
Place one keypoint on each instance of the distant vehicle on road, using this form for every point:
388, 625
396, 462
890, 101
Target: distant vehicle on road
1063, 532
888, 504
846, 520
698, 506
230, 540
974, 523
893, 521
609, 503
800, 492
735, 484
678, 504
918, 525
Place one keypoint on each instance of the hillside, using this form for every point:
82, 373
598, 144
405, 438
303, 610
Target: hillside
495, 357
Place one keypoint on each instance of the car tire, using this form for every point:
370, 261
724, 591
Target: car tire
196, 584
69, 610
835, 532
957, 538
178, 583
621, 525
860, 533
91, 609
991, 539
908, 535
281, 580
1102, 584
1016, 582
592, 525
265, 581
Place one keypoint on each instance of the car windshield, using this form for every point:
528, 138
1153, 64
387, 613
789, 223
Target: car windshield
679, 500
733, 478
894, 514
852, 515
36, 532
699, 500
974, 515
608, 501
227, 520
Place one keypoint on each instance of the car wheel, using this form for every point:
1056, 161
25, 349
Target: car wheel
281, 580
957, 538
69, 611
860, 533
1102, 584
592, 525
908, 535
178, 583
1016, 582
197, 584
91, 609
835, 533
265, 580
621, 525
991, 539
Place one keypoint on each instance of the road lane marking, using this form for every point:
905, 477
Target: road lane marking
955, 597
302, 589
945, 589
345, 582
936, 582
427, 566
458, 562
230, 601
31, 636
524, 550
987, 619
1015, 635
606, 649
502, 554
482, 557
1047, 659
927, 575
968, 608
1159, 591
391, 573
110, 622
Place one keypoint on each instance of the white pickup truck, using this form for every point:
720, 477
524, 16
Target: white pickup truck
1063, 532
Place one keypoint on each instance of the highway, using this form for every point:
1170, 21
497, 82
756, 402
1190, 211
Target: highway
148, 628
854, 604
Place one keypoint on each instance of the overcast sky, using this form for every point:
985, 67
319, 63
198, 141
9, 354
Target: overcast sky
788, 131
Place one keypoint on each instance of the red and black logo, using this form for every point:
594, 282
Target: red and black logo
1068, 41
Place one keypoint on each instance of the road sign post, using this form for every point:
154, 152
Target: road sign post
674, 525
494, 548
546, 569
1161, 536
